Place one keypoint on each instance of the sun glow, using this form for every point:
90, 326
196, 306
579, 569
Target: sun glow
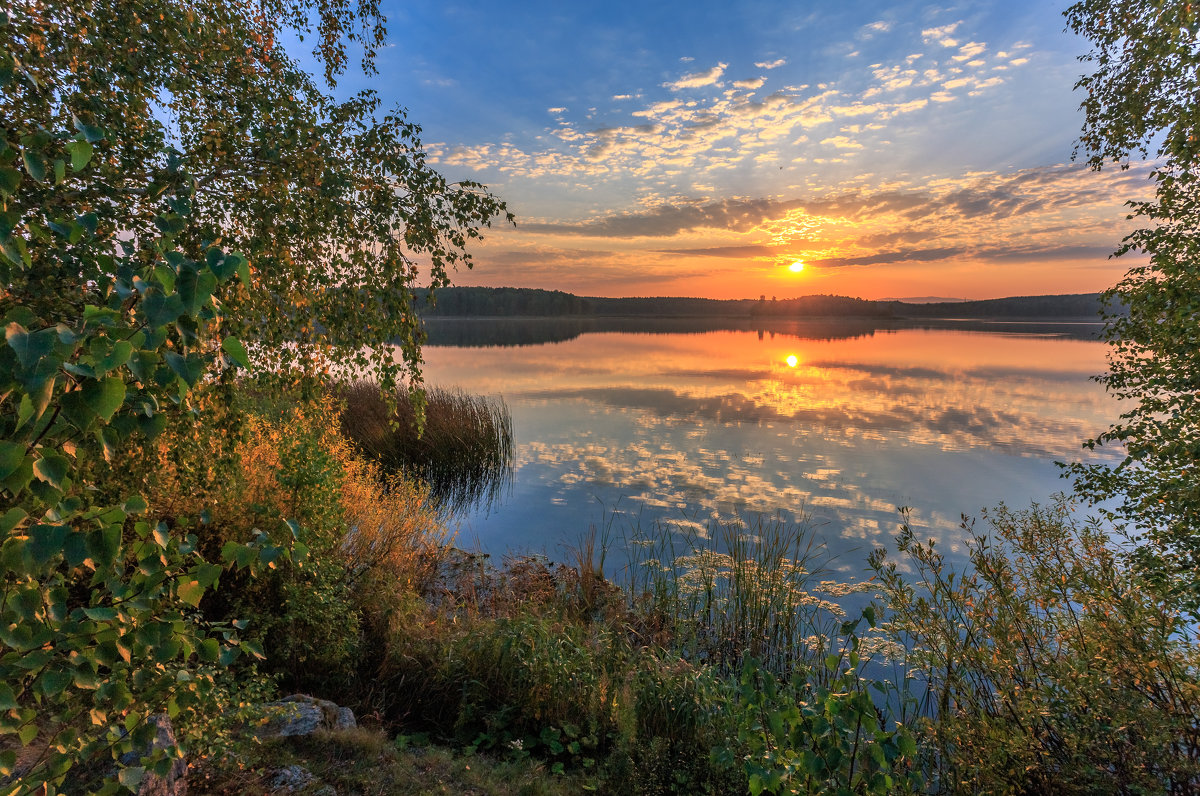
791, 360
796, 267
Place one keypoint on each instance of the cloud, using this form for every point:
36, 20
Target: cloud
900, 256
841, 142
753, 83
697, 139
941, 35
771, 64
881, 26
668, 220
698, 79
737, 252
556, 110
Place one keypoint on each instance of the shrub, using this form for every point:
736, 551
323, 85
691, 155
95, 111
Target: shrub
288, 474
822, 733
1046, 665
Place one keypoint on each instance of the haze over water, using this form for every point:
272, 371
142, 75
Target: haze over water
838, 421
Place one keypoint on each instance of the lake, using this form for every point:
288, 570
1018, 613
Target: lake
628, 422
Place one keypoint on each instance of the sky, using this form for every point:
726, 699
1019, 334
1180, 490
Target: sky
705, 148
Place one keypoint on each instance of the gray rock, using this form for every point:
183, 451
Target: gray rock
175, 782
291, 778
300, 714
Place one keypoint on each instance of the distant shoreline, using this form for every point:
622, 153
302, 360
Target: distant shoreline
484, 302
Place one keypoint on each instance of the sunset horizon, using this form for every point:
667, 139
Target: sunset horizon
910, 150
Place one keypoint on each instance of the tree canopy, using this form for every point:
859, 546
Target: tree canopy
1143, 99
178, 201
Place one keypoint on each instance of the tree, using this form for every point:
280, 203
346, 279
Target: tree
1143, 98
171, 184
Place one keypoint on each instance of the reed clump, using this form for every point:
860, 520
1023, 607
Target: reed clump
461, 445
738, 588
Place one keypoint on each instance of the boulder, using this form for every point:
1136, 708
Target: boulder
291, 778
175, 782
300, 714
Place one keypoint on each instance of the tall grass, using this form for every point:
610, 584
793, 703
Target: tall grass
732, 589
464, 452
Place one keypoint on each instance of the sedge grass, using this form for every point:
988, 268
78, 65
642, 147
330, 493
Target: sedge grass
463, 451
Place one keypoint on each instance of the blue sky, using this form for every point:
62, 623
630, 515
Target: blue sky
701, 148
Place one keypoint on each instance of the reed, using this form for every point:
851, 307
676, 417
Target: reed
732, 589
464, 451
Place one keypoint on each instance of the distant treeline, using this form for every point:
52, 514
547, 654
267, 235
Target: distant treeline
501, 301
531, 302
1070, 305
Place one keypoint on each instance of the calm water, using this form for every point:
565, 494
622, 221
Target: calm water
684, 421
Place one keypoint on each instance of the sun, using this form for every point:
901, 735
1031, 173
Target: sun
796, 267
792, 360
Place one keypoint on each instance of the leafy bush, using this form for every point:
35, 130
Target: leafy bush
289, 475
1046, 666
822, 734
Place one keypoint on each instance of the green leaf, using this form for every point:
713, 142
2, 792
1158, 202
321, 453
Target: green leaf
29, 347
51, 468
90, 134
27, 734
190, 591
81, 154
8, 699
236, 351
15, 250
132, 777
209, 650
189, 369
11, 456
11, 519
121, 351
54, 681
46, 542
104, 397
34, 165
60, 170
9, 180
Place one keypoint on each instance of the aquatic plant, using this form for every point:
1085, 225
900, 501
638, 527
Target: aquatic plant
464, 450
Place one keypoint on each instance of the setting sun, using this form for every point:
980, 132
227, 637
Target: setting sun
791, 360
796, 267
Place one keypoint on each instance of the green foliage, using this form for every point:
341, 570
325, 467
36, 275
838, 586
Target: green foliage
1046, 667
1144, 98
172, 212
98, 605
736, 589
822, 734
330, 204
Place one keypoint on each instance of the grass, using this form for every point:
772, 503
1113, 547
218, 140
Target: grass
370, 763
464, 451
733, 589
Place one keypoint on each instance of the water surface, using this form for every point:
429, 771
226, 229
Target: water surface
684, 421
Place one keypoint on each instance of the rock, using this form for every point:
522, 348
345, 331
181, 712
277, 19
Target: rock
300, 714
175, 782
291, 778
